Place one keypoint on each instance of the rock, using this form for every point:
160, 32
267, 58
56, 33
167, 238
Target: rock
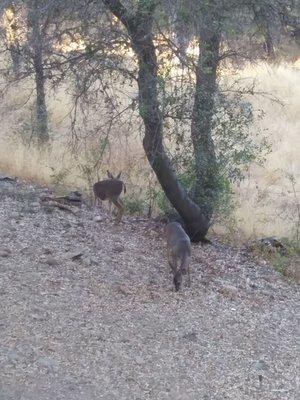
46, 250
5, 178
35, 204
12, 355
191, 336
25, 250
89, 261
15, 215
47, 362
67, 225
229, 291
50, 260
76, 255
261, 365
30, 210
5, 253
94, 261
273, 244
98, 218
118, 249
9, 227
74, 197
48, 209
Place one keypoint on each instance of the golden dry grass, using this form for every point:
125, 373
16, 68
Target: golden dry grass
267, 201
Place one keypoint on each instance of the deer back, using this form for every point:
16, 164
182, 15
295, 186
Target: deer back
108, 188
177, 239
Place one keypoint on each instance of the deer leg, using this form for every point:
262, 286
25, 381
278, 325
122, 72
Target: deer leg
185, 268
95, 201
169, 258
119, 204
177, 280
173, 263
189, 277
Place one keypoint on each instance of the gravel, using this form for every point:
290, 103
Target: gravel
88, 312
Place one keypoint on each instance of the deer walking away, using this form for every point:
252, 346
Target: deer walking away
179, 250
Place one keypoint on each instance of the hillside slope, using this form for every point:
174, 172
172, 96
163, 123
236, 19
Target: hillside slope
88, 312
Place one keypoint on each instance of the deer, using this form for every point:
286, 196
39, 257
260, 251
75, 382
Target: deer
110, 189
179, 248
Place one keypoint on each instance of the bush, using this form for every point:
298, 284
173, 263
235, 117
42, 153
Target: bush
134, 205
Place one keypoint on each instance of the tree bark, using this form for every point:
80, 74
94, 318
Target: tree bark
13, 40
205, 190
140, 29
36, 42
268, 17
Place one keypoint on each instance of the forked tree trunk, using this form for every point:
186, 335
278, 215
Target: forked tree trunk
139, 27
205, 190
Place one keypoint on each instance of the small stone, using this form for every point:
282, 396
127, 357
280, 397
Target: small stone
76, 255
261, 365
94, 261
4, 253
15, 215
98, 218
48, 362
46, 250
35, 204
24, 250
191, 336
118, 249
87, 261
53, 262
30, 210
9, 227
67, 225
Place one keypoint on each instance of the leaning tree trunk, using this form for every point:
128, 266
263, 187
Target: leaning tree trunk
139, 27
36, 42
205, 190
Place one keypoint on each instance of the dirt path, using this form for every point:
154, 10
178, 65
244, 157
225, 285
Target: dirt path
106, 325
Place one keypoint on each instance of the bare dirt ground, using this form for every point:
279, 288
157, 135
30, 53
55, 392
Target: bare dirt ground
88, 312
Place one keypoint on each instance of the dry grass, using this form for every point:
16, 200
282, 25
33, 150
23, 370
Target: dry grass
268, 204
267, 201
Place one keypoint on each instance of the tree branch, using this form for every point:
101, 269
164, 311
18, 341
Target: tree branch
120, 11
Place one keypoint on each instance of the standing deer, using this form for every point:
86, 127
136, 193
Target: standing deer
179, 248
110, 189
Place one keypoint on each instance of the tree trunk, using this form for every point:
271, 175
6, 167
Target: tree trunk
205, 190
36, 42
268, 17
140, 30
12, 35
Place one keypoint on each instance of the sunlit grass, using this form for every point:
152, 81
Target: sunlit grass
267, 198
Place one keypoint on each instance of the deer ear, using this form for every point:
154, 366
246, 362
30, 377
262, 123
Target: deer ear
119, 176
109, 174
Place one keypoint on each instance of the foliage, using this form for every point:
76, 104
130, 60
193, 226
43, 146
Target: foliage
134, 205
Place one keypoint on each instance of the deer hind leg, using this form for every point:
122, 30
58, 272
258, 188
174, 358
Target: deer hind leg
185, 269
177, 280
119, 204
172, 261
96, 201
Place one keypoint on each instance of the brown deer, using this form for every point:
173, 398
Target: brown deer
110, 189
179, 248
